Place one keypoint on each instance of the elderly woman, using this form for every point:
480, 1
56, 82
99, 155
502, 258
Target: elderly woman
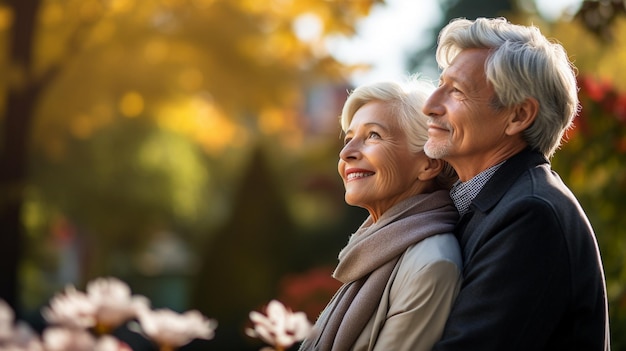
401, 270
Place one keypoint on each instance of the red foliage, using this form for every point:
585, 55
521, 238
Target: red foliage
594, 89
309, 291
603, 110
604, 94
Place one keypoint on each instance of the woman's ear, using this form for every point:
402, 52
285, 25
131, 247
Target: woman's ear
429, 169
524, 115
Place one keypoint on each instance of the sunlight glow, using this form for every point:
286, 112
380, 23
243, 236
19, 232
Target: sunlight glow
308, 27
131, 104
554, 9
6, 18
199, 118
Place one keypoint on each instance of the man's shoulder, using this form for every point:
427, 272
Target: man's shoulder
542, 183
541, 191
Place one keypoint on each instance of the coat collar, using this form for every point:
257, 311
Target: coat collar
505, 176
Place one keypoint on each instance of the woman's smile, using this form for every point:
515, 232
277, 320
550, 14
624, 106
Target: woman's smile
357, 174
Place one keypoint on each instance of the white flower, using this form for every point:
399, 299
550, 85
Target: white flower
106, 305
113, 302
61, 339
281, 327
26, 338
169, 328
6, 321
110, 343
16, 336
71, 309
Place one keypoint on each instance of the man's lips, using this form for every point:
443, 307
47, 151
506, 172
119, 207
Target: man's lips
432, 128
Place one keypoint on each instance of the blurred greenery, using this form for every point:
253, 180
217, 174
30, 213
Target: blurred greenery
592, 163
189, 147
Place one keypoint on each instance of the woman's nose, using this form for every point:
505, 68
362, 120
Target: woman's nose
351, 150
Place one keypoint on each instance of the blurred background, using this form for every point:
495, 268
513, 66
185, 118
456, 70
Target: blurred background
189, 147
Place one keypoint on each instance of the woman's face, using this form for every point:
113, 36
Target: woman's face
376, 165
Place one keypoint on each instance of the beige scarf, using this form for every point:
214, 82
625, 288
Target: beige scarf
366, 263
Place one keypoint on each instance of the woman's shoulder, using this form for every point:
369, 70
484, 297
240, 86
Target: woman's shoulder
434, 249
433, 263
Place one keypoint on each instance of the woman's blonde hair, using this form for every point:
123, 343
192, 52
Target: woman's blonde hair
403, 100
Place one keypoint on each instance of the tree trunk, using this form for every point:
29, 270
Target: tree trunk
20, 106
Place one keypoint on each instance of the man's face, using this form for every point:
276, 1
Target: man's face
465, 128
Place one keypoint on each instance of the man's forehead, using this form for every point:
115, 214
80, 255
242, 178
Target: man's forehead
468, 67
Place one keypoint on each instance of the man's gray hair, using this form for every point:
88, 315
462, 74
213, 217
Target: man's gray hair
522, 64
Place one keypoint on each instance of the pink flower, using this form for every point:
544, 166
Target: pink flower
170, 329
6, 321
280, 328
113, 302
110, 343
106, 305
71, 309
61, 339
16, 336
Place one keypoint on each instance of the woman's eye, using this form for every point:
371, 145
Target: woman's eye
346, 141
373, 135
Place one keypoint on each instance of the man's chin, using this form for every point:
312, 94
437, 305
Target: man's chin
435, 151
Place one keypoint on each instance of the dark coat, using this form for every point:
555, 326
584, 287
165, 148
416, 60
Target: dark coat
533, 277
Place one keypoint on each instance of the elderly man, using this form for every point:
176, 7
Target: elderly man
533, 276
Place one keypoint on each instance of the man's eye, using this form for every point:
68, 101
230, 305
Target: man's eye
346, 141
456, 90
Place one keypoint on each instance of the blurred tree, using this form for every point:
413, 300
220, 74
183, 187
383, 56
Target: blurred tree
600, 16
242, 266
424, 58
13, 160
201, 68
118, 191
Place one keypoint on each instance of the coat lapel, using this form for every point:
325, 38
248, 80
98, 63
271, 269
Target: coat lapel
467, 229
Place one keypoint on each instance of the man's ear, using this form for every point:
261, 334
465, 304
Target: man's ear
524, 115
429, 169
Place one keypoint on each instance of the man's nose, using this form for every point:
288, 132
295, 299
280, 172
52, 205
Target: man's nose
433, 107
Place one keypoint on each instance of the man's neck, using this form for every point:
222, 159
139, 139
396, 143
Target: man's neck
468, 167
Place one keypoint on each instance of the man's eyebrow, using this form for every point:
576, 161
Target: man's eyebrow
456, 78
